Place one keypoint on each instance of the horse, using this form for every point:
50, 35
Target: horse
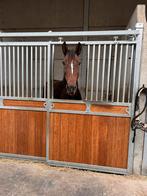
68, 87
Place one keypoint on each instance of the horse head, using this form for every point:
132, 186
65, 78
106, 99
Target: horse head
71, 67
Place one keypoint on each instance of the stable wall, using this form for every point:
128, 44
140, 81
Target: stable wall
59, 15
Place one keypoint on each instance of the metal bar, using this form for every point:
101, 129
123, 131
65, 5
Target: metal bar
92, 72
35, 71
1, 71
119, 72
90, 113
45, 94
125, 69
40, 72
47, 135
114, 71
48, 69
22, 71
67, 101
18, 83
108, 74
23, 108
27, 73
97, 74
14, 88
87, 78
52, 75
31, 71
43, 43
5, 70
103, 72
70, 33
9, 63
87, 167
130, 77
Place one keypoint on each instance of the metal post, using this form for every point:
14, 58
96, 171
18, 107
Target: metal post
136, 79
40, 84
45, 82
103, 73
108, 74
18, 83
87, 78
48, 69
98, 70
27, 72
31, 71
14, 72
1, 71
92, 71
119, 72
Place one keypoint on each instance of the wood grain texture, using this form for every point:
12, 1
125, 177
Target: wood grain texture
21, 103
89, 139
22, 132
109, 109
69, 106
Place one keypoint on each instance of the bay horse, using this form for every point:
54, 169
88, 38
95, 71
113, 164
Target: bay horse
68, 87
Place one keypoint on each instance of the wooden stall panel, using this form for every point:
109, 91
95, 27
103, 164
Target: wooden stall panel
109, 109
69, 106
21, 103
22, 132
89, 139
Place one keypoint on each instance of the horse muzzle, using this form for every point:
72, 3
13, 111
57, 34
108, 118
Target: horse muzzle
71, 90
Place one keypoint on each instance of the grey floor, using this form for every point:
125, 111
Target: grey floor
30, 179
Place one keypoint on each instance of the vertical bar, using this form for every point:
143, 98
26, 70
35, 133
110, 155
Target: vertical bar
114, 71
48, 69
31, 71
1, 71
103, 72
88, 58
40, 70
27, 72
9, 62
14, 71
5, 70
18, 93
52, 75
97, 74
130, 77
108, 74
125, 69
45, 94
22, 56
35, 71
92, 72
119, 71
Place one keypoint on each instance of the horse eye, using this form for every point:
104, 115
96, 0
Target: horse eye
63, 62
79, 63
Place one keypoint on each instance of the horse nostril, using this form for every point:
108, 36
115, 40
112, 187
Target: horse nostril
71, 89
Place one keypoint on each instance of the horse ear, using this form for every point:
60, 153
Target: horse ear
64, 48
78, 49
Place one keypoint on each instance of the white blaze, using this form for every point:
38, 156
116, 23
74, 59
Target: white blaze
72, 67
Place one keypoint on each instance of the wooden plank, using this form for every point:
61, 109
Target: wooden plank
22, 132
69, 106
109, 109
21, 103
98, 140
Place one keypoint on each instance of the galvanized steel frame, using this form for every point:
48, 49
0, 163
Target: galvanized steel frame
48, 107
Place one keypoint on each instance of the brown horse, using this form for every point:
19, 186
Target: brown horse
68, 87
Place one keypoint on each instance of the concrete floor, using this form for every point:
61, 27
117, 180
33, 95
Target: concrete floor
27, 178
